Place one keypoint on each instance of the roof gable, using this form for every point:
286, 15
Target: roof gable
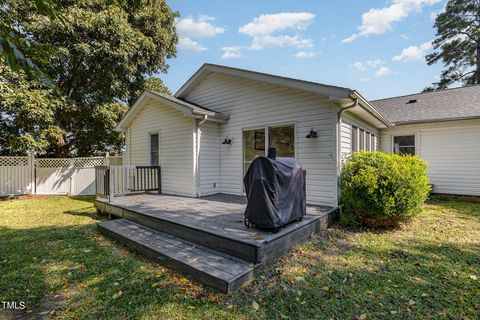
187, 108
333, 92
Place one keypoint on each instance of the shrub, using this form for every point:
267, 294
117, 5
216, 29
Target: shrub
381, 190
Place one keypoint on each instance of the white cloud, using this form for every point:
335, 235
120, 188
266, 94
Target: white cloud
266, 24
306, 54
201, 27
190, 28
359, 66
379, 21
362, 66
375, 63
281, 41
265, 30
383, 71
232, 52
365, 79
413, 53
187, 44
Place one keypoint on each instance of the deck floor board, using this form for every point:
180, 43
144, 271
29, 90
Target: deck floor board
221, 215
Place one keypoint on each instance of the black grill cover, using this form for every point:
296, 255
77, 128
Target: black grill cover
275, 192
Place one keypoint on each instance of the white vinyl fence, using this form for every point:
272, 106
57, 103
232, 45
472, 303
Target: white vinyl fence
16, 175
27, 175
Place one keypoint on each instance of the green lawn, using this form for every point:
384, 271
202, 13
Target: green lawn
52, 257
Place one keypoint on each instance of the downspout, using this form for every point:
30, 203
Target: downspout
197, 154
339, 142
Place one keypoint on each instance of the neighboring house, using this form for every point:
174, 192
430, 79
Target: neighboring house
205, 136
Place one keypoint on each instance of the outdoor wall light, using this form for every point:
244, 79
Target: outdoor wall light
312, 134
227, 140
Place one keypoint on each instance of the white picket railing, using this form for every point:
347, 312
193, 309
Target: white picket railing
112, 181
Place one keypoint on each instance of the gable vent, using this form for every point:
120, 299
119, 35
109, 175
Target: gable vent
412, 101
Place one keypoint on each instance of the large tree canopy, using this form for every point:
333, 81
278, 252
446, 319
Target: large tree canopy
100, 57
457, 43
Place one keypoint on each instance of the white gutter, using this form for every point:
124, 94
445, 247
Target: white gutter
198, 123
339, 145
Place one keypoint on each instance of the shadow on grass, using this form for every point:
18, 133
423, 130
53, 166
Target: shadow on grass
86, 271
89, 199
415, 279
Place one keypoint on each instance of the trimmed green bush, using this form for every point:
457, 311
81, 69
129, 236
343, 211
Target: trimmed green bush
382, 190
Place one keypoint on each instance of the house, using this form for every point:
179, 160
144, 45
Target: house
206, 135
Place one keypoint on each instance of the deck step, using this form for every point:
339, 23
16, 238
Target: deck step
213, 268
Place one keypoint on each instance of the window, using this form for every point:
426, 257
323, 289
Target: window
404, 145
368, 142
255, 140
154, 147
283, 139
354, 139
374, 143
362, 140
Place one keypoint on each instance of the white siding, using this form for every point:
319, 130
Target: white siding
346, 133
176, 134
251, 104
209, 158
452, 150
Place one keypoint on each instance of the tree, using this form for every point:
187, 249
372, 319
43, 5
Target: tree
457, 43
99, 57
27, 110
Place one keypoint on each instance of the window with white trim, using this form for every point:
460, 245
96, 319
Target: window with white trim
354, 139
362, 140
404, 145
154, 149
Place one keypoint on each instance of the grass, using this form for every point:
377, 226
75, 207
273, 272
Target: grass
53, 259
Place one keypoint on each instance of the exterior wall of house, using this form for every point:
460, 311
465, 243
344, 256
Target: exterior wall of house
252, 104
346, 123
452, 150
209, 158
176, 149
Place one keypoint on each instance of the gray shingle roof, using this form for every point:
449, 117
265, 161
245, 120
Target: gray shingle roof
450, 104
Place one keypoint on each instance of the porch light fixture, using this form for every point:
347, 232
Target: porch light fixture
227, 140
312, 134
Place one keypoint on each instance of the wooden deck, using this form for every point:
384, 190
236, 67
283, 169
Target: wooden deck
215, 222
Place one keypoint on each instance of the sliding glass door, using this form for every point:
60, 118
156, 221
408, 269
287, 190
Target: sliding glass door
283, 139
256, 142
253, 146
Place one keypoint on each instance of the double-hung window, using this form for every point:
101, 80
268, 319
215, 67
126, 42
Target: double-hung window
404, 145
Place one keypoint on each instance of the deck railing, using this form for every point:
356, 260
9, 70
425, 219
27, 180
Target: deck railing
121, 180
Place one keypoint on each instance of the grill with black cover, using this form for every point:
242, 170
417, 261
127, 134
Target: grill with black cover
275, 191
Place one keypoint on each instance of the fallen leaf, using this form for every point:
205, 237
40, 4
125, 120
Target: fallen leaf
326, 288
473, 277
411, 302
299, 279
255, 305
117, 295
363, 316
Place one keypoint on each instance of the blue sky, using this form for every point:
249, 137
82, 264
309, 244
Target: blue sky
375, 47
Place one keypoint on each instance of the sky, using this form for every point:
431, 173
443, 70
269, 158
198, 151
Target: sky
374, 47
